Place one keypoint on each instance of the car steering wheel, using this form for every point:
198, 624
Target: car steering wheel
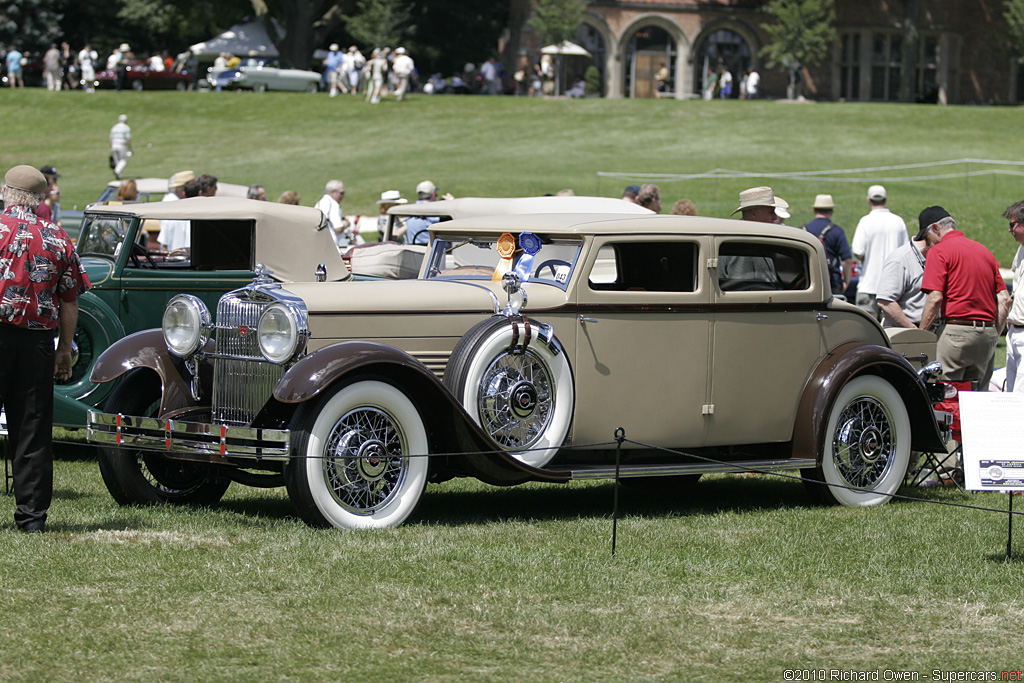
138, 249
550, 263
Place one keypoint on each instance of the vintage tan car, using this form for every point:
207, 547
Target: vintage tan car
527, 342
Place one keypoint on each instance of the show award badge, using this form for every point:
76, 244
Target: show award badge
506, 249
530, 244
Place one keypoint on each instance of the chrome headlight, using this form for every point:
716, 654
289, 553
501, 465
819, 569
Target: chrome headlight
186, 325
282, 332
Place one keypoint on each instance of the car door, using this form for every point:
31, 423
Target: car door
765, 336
218, 260
642, 340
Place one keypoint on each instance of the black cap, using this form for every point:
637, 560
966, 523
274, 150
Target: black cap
49, 170
632, 189
928, 217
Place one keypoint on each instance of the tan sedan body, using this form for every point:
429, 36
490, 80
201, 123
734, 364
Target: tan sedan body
717, 339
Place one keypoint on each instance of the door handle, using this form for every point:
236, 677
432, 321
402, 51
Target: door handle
584, 319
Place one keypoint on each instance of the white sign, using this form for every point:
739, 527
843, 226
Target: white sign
992, 425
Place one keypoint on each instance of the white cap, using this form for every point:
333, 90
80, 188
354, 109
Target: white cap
876, 192
781, 212
122, 118
426, 187
334, 47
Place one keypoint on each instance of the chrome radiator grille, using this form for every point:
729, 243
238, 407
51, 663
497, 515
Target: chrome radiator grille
243, 383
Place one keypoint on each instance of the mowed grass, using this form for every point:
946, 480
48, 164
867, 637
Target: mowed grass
739, 580
742, 579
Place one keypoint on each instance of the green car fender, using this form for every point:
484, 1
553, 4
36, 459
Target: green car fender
98, 327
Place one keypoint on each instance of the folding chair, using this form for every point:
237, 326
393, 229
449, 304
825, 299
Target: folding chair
944, 466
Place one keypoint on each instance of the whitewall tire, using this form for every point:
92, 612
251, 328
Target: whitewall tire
351, 467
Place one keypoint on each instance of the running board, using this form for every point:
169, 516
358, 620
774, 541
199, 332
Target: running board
631, 471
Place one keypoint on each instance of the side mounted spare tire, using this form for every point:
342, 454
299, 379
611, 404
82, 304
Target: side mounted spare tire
516, 383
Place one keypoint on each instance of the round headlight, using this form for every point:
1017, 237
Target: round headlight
186, 325
282, 333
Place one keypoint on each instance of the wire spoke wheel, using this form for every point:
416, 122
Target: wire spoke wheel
515, 400
363, 463
863, 444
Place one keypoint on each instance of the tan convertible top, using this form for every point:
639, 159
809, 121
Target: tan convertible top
290, 240
467, 207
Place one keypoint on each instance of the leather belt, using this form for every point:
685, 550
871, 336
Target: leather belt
970, 323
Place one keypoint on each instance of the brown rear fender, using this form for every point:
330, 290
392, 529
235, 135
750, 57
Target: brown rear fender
840, 366
450, 429
146, 349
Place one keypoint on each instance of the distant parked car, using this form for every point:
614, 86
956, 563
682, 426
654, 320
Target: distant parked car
141, 77
260, 74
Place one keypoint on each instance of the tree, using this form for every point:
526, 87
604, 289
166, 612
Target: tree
379, 23
29, 24
557, 20
1014, 16
801, 35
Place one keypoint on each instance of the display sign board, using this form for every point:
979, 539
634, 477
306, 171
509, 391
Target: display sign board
992, 425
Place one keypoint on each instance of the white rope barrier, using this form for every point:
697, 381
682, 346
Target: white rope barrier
831, 175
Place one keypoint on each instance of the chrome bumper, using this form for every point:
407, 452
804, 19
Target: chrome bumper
178, 436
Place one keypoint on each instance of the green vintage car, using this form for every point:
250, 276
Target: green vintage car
131, 284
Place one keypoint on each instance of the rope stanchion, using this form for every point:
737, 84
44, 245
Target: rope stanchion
620, 436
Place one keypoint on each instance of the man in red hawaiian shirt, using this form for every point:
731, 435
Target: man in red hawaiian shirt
41, 279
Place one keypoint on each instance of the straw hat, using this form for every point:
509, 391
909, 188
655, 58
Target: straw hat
391, 197
760, 196
180, 178
824, 201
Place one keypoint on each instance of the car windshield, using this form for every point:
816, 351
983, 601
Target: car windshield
475, 257
103, 235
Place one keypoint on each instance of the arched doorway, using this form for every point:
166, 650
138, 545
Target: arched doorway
721, 48
591, 40
649, 49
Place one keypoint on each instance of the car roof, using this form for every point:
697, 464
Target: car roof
591, 224
290, 240
159, 186
467, 207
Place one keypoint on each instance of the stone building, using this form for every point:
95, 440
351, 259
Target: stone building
954, 51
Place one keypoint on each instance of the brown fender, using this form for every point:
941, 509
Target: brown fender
840, 366
146, 349
446, 419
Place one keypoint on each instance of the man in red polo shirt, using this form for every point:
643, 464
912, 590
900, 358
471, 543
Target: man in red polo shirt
963, 283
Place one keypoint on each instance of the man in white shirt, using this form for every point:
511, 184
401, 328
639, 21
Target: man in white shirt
1015, 319
176, 234
877, 235
403, 67
120, 144
330, 205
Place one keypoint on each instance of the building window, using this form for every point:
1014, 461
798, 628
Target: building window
928, 70
849, 67
886, 66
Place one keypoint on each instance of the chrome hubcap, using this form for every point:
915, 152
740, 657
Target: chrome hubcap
515, 400
863, 446
363, 463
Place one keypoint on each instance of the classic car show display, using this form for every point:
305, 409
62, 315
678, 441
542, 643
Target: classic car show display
139, 76
525, 344
132, 284
260, 74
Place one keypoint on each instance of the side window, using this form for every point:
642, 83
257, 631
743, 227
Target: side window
646, 267
750, 266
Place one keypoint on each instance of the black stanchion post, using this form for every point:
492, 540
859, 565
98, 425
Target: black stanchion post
620, 436
1009, 528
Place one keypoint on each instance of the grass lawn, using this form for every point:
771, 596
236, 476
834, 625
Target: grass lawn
740, 580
